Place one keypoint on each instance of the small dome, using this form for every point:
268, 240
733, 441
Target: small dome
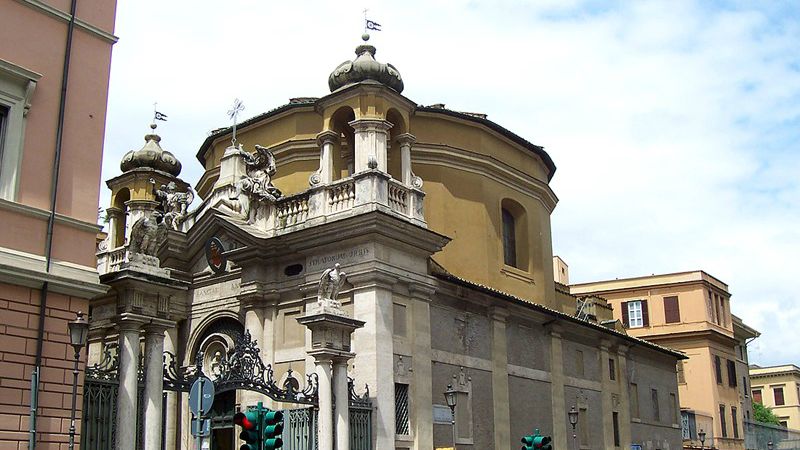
364, 67
152, 156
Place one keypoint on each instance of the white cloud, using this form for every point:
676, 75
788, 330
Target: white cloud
674, 125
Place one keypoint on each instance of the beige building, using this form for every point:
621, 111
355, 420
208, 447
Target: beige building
54, 71
778, 388
690, 312
441, 221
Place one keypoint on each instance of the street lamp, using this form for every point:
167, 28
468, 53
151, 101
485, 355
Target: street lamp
770, 445
78, 332
450, 398
573, 420
702, 435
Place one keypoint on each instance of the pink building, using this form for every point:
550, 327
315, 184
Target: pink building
55, 58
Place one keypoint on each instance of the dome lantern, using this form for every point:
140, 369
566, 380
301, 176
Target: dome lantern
151, 155
363, 68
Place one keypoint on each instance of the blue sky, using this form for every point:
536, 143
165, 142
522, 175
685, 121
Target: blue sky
675, 125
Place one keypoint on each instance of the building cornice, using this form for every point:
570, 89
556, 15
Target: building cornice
649, 281
64, 278
38, 213
56, 13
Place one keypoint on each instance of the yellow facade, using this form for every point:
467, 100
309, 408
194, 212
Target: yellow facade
777, 383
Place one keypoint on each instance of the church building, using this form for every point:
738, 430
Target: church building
427, 229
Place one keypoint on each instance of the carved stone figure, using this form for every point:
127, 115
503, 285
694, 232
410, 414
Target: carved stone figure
330, 283
257, 185
148, 234
174, 204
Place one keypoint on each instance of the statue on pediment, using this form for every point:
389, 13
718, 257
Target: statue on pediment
148, 234
174, 204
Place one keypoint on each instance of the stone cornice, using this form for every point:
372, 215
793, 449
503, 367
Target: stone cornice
64, 278
65, 17
38, 213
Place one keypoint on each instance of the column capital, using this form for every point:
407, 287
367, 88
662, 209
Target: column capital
554, 329
604, 345
113, 212
498, 313
159, 328
367, 124
406, 139
327, 137
622, 350
131, 322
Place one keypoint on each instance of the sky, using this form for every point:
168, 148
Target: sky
675, 125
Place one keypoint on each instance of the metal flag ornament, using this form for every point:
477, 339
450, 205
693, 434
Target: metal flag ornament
233, 114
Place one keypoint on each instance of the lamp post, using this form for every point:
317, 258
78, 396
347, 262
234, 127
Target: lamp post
573, 420
770, 445
702, 435
450, 398
78, 332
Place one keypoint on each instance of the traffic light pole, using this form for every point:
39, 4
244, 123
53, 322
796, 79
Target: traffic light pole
199, 417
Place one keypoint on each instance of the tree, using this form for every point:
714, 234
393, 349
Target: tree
764, 415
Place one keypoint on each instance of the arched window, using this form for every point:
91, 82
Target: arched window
120, 225
509, 239
343, 150
514, 228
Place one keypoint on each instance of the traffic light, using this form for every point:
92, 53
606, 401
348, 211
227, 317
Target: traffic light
536, 442
272, 429
250, 421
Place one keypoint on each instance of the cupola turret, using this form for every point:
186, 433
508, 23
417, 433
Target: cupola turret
363, 68
152, 156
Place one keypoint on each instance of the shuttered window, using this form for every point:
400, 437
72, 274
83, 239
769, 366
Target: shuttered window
731, 373
757, 396
722, 422
734, 422
635, 314
718, 369
778, 391
509, 239
672, 313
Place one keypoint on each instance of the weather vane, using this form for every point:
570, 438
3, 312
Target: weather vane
369, 24
157, 115
233, 113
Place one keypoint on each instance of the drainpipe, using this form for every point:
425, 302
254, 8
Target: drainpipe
48, 246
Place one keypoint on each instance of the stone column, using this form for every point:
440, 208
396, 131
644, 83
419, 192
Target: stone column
325, 416
606, 393
624, 397
171, 425
422, 377
128, 382
370, 140
254, 324
502, 419
342, 395
115, 215
153, 385
406, 140
325, 140
557, 389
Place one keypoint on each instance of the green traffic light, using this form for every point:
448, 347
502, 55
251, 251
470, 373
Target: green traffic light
271, 430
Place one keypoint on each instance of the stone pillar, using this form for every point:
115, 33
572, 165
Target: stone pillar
624, 397
606, 393
115, 215
342, 395
557, 389
171, 425
374, 348
370, 141
254, 324
128, 382
325, 140
502, 419
153, 385
325, 416
406, 140
422, 377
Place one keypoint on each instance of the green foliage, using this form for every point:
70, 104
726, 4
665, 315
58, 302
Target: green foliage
764, 415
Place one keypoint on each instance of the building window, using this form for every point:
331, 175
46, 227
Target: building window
784, 423
746, 390
634, 400
778, 393
509, 239
672, 313
673, 408
757, 396
734, 422
718, 369
615, 421
579, 369
401, 408
612, 369
731, 373
634, 314
399, 319
722, 422
654, 400
17, 85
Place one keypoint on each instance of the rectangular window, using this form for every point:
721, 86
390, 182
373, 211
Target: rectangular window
757, 396
672, 313
634, 400
731, 373
612, 369
784, 423
673, 408
401, 408
654, 400
399, 319
615, 421
745, 389
734, 422
509, 239
3, 121
635, 316
722, 422
718, 369
778, 393
710, 307
715, 299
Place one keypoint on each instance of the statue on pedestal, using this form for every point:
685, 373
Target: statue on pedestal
147, 235
329, 285
257, 185
175, 204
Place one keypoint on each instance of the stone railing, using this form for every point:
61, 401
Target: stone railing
340, 195
398, 197
292, 210
111, 260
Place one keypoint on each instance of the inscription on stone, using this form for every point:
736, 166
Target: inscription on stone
320, 262
222, 290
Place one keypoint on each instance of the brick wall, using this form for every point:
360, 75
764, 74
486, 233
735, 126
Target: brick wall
19, 320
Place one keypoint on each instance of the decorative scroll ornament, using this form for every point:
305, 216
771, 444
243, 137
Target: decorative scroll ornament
107, 368
240, 368
174, 204
355, 399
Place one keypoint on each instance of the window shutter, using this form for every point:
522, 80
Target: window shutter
645, 315
731, 373
718, 369
672, 312
625, 314
779, 401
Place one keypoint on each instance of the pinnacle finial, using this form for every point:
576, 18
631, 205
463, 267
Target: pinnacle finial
365, 37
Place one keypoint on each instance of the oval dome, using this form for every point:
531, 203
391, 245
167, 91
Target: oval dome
363, 68
152, 156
